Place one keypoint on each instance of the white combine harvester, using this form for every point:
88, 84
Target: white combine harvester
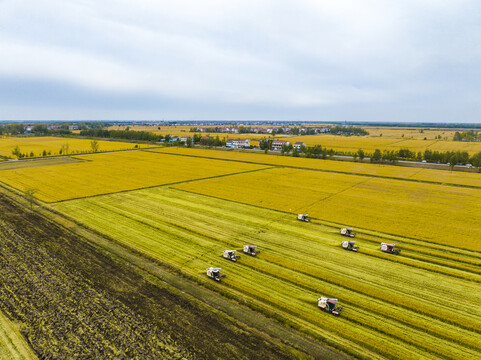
214, 273
349, 245
329, 305
348, 232
389, 248
230, 255
303, 217
251, 250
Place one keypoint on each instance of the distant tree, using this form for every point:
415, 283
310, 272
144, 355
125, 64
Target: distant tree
376, 157
361, 154
32, 154
94, 145
188, 143
16, 151
44, 153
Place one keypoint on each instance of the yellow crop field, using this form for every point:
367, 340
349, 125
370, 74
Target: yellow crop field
351, 144
53, 145
408, 132
184, 131
389, 171
421, 309
12, 344
441, 214
113, 172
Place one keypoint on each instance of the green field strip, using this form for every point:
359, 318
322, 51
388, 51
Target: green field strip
12, 344
161, 151
195, 261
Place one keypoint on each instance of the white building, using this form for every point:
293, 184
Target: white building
238, 143
298, 145
277, 144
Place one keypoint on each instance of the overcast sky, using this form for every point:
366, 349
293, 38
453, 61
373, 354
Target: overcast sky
353, 60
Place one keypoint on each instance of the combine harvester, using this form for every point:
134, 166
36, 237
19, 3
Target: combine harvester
303, 217
349, 245
389, 248
214, 273
231, 255
348, 232
329, 305
251, 250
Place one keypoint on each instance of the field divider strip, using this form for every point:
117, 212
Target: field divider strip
323, 170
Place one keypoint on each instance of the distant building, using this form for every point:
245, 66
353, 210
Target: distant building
298, 145
73, 127
238, 143
277, 144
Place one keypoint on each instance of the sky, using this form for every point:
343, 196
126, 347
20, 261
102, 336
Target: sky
324, 60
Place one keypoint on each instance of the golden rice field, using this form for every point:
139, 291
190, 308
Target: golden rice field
183, 131
12, 345
422, 304
441, 214
408, 132
53, 145
112, 172
388, 171
351, 144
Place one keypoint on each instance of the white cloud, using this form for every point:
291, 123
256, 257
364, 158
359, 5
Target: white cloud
279, 54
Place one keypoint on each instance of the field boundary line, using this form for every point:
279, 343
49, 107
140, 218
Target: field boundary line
325, 170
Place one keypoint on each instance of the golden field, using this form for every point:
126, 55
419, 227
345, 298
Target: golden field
389, 171
184, 131
112, 172
409, 209
411, 302
351, 144
53, 145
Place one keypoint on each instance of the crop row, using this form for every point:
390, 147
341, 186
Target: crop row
298, 263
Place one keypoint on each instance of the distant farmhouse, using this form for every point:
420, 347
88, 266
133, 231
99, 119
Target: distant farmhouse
238, 143
277, 144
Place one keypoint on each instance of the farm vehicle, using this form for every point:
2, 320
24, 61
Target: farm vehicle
389, 248
251, 250
349, 245
348, 232
303, 217
231, 255
329, 305
214, 274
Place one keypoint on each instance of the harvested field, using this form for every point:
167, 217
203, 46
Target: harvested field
405, 301
10, 165
76, 302
113, 172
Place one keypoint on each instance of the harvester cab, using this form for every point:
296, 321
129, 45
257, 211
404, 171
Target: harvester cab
329, 305
348, 232
251, 250
214, 273
389, 248
303, 217
230, 255
349, 245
